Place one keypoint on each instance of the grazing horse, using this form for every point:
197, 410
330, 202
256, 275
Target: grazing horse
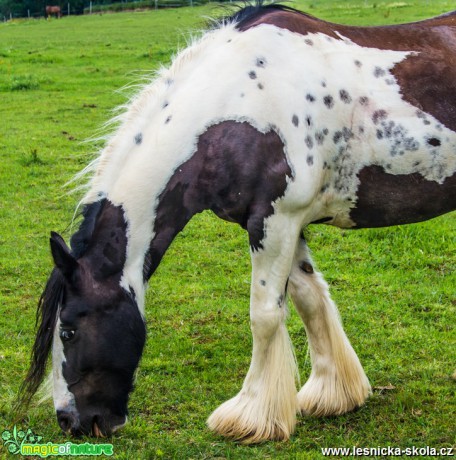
53, 10
274, 120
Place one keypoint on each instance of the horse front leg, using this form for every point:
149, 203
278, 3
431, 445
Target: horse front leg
337, 383
266, 407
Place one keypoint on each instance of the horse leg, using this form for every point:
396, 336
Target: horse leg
337, 383
266, 406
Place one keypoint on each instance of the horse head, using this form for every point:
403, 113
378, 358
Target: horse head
94, 326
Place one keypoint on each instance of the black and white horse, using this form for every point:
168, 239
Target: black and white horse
274, 120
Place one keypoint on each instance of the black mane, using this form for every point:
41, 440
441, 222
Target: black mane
80, 240
46, 316
250, 9
48, 306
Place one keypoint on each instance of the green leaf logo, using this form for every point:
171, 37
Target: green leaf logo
14, 439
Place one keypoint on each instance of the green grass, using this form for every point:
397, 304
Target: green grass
395, 287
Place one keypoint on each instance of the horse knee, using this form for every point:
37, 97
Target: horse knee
264, 322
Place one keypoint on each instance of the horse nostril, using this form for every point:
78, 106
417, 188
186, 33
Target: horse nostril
66, 420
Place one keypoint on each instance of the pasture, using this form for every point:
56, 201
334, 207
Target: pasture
395, 287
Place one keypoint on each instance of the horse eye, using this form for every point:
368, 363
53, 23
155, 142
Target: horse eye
66, 334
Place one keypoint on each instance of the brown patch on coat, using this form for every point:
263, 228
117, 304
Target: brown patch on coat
237, 172
386, 199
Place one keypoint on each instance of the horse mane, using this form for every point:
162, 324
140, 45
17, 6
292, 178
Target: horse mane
46, 316
48, 306
80, 240
248, 10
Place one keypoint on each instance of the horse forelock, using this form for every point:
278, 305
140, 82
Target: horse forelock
46, 317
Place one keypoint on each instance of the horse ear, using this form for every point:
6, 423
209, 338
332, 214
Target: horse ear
62, 256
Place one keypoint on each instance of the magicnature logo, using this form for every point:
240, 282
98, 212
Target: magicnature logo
20, 442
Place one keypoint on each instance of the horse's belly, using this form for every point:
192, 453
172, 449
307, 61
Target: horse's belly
384, 199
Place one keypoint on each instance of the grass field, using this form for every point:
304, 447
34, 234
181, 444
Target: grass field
395, 287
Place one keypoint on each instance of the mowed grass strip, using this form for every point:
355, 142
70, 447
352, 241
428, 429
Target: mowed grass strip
59, 83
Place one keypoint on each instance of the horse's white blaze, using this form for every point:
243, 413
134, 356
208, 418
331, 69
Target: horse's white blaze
63, 398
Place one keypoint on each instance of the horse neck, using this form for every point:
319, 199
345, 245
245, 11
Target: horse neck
112, 246
135, 173
100, 247
154, 210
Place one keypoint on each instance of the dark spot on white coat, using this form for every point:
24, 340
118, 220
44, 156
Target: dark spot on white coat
434, 142
260, 62
328, 101
345, 96
379, 115
309, 142
319, 137
379, 72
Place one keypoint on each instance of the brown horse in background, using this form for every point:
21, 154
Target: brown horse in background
53, 10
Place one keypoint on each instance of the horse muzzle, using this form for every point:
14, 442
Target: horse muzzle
96, 425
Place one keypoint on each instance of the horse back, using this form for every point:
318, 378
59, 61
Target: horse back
399, 166
427, 78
